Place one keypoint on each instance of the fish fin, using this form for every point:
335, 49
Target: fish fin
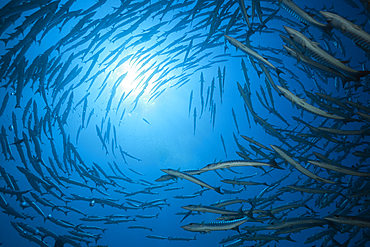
218, 190
359, 75
327, 29
236, 229
270, 214
345, 61
278, 71
250, 212
187, 215
241, 210
275, 165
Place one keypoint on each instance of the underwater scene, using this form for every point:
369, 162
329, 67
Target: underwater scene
184, 123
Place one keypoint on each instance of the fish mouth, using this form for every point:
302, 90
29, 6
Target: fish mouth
286, 28
326, 15
289, 31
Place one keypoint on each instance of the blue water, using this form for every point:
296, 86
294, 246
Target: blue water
169, 139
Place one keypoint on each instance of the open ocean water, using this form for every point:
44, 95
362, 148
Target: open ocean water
97, 97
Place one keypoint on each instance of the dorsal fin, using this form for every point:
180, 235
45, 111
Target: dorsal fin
345, 61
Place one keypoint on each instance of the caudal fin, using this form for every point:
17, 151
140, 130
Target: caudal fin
361, 74
275, 165
327, 29
218, 190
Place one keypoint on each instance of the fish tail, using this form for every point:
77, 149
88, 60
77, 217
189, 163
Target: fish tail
279, 71
275, 165
218, 190
327, 29
348, 120
270, 214
97, 238
250, 212
289, 238
361, 74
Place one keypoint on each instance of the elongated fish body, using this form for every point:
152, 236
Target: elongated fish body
313, 64
239, 182
287, 207
291, 222
156, 237
345, 132
207, 227
255, 142
169, 177
195, 119
350, 220
210, 209
340, 169
244, 13
352, 31
237, 163
191, 99
322, 56
251, 52
301, 15
223, 144
181, 238
191, 178
302, 103
310, 190
300, 168
227, 202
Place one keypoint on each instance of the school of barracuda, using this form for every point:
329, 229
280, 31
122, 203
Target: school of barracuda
317, 152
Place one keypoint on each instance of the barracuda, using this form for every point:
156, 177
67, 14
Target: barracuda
251, 52
301, 15
207, 227
323, 57
345, 132
236, 163
302, 103
310, 190
239, 182
215, 210
350, 220
352, 31
244, 13
255, 142
224, 203
313, 64
340, 169
291, 222
191, 178
300, 168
